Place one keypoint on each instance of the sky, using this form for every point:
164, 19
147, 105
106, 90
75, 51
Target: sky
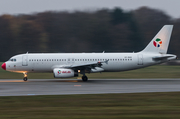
15, 7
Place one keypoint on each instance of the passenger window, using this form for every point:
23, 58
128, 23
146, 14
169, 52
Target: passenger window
14, 60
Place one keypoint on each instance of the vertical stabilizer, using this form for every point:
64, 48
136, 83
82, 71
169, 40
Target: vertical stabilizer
160, 42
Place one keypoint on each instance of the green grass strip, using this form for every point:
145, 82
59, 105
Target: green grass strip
101, 106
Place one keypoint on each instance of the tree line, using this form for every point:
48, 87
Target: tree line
109, 30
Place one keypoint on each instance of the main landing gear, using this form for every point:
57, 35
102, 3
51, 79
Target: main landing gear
84, 78
25, 77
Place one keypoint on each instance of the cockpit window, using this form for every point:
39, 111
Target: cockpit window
12, 60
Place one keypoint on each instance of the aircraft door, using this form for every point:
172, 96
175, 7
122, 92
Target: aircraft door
140, 59
25, 60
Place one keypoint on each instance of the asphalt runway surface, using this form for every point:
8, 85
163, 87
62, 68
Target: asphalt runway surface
15, 87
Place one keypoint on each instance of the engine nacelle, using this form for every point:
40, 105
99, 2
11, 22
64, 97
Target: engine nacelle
64, 73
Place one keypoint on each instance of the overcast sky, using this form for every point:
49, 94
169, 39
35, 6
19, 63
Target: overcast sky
171, 7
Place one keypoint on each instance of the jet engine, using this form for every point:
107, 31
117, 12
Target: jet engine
64, 73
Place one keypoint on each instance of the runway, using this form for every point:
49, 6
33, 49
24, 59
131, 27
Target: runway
14, 87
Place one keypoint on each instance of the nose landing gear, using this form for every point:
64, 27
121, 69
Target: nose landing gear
25, 77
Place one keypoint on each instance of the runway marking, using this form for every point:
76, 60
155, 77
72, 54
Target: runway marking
71, 81
13, 81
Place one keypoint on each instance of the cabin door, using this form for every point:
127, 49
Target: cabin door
140, 59
25, 60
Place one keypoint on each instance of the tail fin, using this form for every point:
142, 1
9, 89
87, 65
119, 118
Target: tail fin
160, 42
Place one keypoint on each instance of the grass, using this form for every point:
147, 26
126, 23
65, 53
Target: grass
158, 71
103, 106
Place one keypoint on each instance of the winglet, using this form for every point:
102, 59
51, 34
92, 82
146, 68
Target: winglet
104, 61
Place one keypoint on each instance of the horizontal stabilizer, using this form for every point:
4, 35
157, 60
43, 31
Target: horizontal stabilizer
159, 58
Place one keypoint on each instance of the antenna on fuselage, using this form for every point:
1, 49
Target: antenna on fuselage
27, 52
103, 52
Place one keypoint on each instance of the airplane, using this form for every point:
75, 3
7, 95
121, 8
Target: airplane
66, 65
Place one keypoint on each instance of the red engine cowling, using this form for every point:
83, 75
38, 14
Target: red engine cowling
64, 73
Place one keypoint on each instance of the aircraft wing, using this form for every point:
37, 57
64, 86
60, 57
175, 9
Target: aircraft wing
90, 65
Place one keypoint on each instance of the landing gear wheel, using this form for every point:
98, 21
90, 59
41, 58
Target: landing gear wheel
25, 78
84, 78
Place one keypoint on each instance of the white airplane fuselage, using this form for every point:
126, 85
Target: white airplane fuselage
47, 62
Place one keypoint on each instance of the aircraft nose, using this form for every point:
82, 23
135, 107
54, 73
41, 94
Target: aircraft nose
3, 66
